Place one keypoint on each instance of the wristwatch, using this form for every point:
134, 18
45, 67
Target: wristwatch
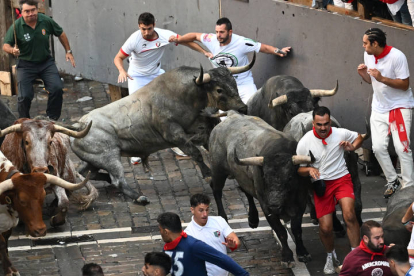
69, 51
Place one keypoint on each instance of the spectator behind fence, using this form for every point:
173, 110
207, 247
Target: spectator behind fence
399, 11
156, 264
410, 4
347, 4
189, 255
92, 269
397, 257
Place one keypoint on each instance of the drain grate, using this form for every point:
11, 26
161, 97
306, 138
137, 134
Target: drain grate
62, 241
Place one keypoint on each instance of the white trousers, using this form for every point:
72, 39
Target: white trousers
380, 140
141, 81
246, 91
341, 4
410, 4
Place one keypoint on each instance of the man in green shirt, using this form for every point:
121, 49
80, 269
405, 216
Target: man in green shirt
31, 47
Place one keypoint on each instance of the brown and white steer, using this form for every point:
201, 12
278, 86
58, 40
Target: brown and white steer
41, 146
21, 197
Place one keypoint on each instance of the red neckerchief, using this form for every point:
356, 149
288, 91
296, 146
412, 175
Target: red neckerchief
386, 51
174, 243
397, 122
389, 1
319, 137
366, 249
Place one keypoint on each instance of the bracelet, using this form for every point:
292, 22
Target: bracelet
277, 51
234, 248
405, 223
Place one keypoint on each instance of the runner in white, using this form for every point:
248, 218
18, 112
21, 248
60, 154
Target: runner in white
145, 48
231, 50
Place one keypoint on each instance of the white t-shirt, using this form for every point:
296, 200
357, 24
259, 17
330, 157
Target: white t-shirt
395, 7
145, 54
330, 159
393, 66
213, 234
233, 54
411, 244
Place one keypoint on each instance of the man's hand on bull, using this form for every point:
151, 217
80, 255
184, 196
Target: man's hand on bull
208, 54
347, 145
123, 77
314, 173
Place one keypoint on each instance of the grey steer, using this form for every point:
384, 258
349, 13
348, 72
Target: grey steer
165, 113
263, 162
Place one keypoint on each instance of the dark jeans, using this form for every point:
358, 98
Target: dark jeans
403, 15
27, 73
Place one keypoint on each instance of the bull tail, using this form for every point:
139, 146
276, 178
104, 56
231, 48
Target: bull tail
84, 201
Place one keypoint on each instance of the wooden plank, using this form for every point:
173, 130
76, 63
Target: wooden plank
363, 12
14, 80
114, 92
342, 11
5, 83
302, 2
392, 23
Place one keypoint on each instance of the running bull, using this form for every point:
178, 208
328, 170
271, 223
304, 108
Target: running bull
21, 197
165, 113
41, 146
283, 97
263, 161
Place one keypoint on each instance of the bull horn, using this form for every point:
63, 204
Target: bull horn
65, 184
72, 133
278, 101
324, 93
253, 161
241, 69
367, 135
303, 159
10, 129
6, 185
203, 78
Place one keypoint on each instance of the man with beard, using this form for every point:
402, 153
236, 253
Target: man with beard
213, 230
35, 61
386, 68
331, 179
189, 255
156, 264
230, 50
368, 258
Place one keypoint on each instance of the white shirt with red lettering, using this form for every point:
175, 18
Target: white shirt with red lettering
233, 54
146, 54
393, 66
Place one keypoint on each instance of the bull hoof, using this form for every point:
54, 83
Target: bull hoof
289, 264
55, 221
142, 200
253, 224
305, 258
315, 221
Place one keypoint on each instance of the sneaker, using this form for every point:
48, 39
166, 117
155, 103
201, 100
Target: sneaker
391, 188
178, 151
329, 265
136, 160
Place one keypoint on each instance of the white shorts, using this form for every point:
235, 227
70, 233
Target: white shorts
141, 81
246, 91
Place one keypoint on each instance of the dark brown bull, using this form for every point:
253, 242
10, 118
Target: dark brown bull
21, 197
42, 146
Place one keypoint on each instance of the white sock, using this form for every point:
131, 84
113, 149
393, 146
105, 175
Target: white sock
329, 255
334, 254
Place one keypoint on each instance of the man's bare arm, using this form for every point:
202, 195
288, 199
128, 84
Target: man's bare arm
119, 63
65, 42
267, 49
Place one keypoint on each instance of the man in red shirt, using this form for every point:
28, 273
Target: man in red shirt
368, 258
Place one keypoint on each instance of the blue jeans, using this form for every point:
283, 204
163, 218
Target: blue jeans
403, 15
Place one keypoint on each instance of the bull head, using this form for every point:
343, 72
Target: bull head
205, 78
314, 92
56, 128
258, 160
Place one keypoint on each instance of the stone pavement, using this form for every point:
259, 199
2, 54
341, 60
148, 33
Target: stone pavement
116, 233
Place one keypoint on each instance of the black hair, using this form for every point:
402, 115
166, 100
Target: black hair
160, 259
321, 111
226, 21
146, 18
29, 2
367, 226
170, 221
198, 199
92, 269
398, 253
375, 34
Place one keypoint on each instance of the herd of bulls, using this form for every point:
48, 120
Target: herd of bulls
256, 145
